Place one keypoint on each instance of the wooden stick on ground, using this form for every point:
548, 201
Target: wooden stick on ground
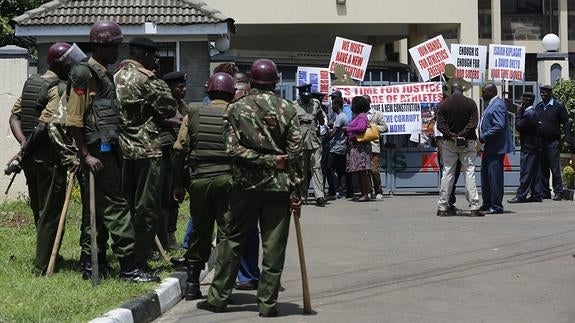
58, 239
304, 279
93, 233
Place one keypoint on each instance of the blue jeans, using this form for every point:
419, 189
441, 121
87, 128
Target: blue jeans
249, 270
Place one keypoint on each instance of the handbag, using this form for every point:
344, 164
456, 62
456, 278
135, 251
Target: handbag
370, 134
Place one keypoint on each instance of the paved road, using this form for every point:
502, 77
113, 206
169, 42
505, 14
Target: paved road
395, 261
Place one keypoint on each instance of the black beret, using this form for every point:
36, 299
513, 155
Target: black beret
175, 77
143, 42
546, 87
529, 95
317, 95
304, 87
336, 94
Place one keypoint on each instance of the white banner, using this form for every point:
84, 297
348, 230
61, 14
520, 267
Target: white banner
470, 61
407, 108
430, 57
506, 62
319, 78
352, 55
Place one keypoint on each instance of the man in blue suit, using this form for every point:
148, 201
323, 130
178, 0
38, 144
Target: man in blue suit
495, 134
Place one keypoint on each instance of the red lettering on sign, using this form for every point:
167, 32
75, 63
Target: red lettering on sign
429, 162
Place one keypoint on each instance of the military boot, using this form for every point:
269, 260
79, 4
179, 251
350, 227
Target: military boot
129, 272
193, 283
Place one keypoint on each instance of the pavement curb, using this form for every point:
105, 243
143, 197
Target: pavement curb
150, 306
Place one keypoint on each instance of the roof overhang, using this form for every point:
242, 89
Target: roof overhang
128, 30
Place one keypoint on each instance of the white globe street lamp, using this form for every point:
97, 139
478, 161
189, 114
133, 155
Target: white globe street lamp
551, 42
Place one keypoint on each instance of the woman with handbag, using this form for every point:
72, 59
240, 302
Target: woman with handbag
359, 152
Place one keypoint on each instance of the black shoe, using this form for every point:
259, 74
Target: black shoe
546, 197
452, 210
557, 197
192, 291
183, 262
138, 276
516, 200
331, 197
272, 313
103, 272
154, 256
444, 213
476, 213
349, 196
209, 307
246, 285
484, 208
534, 199
492, 211
320, 202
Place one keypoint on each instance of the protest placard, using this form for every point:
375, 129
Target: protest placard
430, 57
352, 55
506, 62
470, 61
407, 108
319, 78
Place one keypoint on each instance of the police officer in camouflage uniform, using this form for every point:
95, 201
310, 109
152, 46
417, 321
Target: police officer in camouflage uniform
145, 103
93, 119
310, 115
170, 128
262, 133
210, 167
45, 173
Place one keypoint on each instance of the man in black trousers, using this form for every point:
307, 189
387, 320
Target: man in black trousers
530, 170
553, 118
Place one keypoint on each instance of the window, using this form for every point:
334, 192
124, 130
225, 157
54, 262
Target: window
167, 52
522, 6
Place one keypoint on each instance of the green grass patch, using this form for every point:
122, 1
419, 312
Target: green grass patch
64, 297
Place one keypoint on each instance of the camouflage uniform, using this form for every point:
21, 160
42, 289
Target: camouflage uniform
169, 207
145, 101
93, 85
311, 145
258, 127
68, 153
209, 168
45, 174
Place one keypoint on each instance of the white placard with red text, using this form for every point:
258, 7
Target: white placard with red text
506, 62
352, 55
319, 78
407, 108
470, 61
430, 57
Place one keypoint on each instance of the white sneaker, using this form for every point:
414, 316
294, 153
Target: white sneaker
379, 197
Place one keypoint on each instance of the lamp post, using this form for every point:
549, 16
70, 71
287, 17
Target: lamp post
551, 64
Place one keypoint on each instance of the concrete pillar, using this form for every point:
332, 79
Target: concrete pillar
10, 91
551, 66
195, 61
496, 21
401, 48
563, 27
